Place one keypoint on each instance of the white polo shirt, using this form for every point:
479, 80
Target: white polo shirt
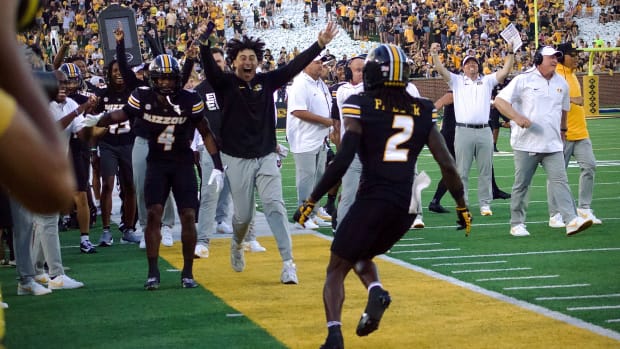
541, 101
344, 92
59, 110
472, 98
314, 96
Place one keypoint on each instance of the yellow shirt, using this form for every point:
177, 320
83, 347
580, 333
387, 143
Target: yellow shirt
7, 111
576, 118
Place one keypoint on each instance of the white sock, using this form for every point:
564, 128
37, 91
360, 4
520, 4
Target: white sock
84, 238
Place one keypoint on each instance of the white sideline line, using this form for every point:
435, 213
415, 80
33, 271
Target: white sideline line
612, 320
468, 263
422, 244
487, 270
411, 239
520, 278
521, 253
498, 296
547, 286
427, 251
600, 307
591, 296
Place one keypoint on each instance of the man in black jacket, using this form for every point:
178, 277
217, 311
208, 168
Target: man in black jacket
249, 138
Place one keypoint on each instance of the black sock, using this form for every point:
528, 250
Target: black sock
188, 264
153, 268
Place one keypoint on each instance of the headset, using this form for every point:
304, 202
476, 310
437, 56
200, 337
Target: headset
538, 57
348, 73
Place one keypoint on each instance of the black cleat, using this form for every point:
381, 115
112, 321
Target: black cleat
188, 283
334, 339
378, 300
498, 194
151, 284
436, 207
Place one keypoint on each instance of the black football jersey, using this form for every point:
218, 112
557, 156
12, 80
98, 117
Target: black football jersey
110, 100
169, 127
390, 144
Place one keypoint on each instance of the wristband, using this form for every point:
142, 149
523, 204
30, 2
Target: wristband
563, 129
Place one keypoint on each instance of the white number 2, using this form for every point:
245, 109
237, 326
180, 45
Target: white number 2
392, 152
167, 137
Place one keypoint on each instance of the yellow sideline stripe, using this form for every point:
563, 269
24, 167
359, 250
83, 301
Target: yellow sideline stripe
425, 312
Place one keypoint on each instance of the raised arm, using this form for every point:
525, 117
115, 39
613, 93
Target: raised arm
441, 69
508, 63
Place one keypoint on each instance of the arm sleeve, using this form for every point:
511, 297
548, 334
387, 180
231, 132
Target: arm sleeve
213, 72
128, 76
282, 75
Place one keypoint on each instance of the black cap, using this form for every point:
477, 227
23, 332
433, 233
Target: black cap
567, 48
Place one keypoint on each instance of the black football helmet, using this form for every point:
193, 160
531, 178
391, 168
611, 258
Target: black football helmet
165, 66
74, 77
386, 65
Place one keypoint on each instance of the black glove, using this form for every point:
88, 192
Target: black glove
464, 219
303, 213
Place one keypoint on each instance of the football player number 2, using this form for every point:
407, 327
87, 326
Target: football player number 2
167, 137
392, 152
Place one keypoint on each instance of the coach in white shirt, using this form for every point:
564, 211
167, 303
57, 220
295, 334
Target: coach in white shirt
307, 126
473, 138
537, 102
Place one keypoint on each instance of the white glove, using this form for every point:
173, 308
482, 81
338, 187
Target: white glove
216, 177
420, 182
91, 120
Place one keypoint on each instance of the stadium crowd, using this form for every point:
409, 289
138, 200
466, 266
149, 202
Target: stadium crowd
461, 27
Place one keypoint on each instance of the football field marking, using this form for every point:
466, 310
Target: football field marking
529, 253
488, 270
601, 307
468, 263
591, 296
519, 278
545, 286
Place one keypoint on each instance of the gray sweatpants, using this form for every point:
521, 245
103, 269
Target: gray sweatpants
243, 175
525, 167
470, 144
46, 247
583, 153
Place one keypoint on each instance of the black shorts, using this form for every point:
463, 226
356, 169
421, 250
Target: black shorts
369, 229
80, 156
161, 177
115, 159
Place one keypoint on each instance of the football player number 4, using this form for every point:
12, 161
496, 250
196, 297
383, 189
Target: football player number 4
392, 153
167, 137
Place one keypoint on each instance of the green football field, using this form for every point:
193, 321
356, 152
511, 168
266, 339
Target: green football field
574, 281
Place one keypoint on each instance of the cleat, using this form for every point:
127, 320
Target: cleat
253, 246
320, 222
237, 258
289, 273
334, 339
436, 207
577, 225
106, 239
498, 194
63, 282
151, 283
188, 283
378, 300
166, 236
87, 247
142, 244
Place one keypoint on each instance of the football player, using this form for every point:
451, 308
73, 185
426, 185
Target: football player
168, 114
379, 125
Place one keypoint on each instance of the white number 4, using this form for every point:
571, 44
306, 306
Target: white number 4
167, 138
392, 152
